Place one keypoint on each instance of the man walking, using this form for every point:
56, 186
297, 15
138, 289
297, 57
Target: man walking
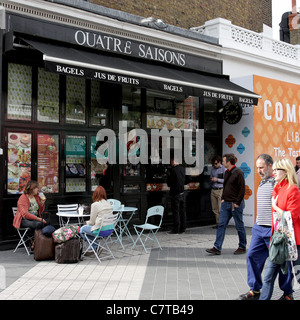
217, 180
261, 232
232, 206
176, 181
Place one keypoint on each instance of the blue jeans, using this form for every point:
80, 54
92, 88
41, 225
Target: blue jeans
226, 212
89, 234
256, 257
271, 272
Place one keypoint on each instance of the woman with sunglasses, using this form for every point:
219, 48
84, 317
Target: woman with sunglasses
286, 197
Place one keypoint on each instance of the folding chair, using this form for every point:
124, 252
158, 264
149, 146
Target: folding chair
105, 231
64, 210
116, 205
22, 232
151, 229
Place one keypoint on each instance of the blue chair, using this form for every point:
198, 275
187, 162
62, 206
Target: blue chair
99, 240
116, 205
148, 230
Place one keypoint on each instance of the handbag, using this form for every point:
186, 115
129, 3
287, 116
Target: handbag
66, 233
286, 224
278, 249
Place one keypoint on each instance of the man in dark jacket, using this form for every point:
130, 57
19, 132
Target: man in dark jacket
232, 206
176, 181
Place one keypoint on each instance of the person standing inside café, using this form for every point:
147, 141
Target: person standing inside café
217, 180
232, 205
176, 181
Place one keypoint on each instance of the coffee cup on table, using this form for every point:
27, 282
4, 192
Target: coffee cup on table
42, 196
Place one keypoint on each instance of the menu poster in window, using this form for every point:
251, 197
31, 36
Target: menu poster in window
48, 157
19, 161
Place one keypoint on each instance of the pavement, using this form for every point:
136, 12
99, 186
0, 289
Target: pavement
182, 270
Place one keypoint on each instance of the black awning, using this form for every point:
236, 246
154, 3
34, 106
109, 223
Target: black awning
117, 69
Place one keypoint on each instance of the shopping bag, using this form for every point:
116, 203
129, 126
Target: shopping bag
285, 224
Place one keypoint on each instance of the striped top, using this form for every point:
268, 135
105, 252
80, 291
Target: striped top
264, 202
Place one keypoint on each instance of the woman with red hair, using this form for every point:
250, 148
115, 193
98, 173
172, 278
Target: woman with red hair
99, 207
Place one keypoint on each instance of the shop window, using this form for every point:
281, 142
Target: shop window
99, 116
101, 173
75, 100
48, 96
48, 163
168, 111
75, 163
19, 161
131, 106
210, 116
171, 112
19, 94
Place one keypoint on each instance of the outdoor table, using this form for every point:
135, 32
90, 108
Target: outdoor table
122, 223
64, 217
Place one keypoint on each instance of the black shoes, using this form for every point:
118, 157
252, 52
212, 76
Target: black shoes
213, 250
250, 295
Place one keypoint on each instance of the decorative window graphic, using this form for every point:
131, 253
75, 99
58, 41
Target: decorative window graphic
248, 192
240, 148
230, 141
246, 132
19, 161
19, 93
246, 169
48, 96
75, 103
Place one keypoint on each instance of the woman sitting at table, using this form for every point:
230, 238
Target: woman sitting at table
29, 208
99, 207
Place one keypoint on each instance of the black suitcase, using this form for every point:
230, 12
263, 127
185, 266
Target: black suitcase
69, 251
44, 247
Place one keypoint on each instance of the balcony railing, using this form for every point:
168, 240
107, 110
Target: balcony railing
238, 38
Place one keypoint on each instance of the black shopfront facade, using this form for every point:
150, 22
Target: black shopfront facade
62, 84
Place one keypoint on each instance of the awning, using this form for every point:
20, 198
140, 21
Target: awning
94, 65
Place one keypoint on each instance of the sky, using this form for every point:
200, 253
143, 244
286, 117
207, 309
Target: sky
280, 7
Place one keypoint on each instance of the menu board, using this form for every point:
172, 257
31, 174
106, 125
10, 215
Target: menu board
19, 161
48, 160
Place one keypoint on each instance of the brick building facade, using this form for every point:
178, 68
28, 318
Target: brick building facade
249, 14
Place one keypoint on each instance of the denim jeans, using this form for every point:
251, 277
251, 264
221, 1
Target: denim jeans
89, 234
271, 273
257, 255
226, 213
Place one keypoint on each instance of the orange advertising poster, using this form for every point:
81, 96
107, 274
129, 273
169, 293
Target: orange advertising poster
276, 120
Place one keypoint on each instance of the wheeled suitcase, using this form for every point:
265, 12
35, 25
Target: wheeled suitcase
44, 247
69, 251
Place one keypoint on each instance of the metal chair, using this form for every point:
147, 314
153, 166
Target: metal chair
66, 209
100, 240
116, 205
149, 229
22, 232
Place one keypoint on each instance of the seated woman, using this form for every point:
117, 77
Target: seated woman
99, 207
29, 208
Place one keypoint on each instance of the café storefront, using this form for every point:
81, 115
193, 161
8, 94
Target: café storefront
62, 85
